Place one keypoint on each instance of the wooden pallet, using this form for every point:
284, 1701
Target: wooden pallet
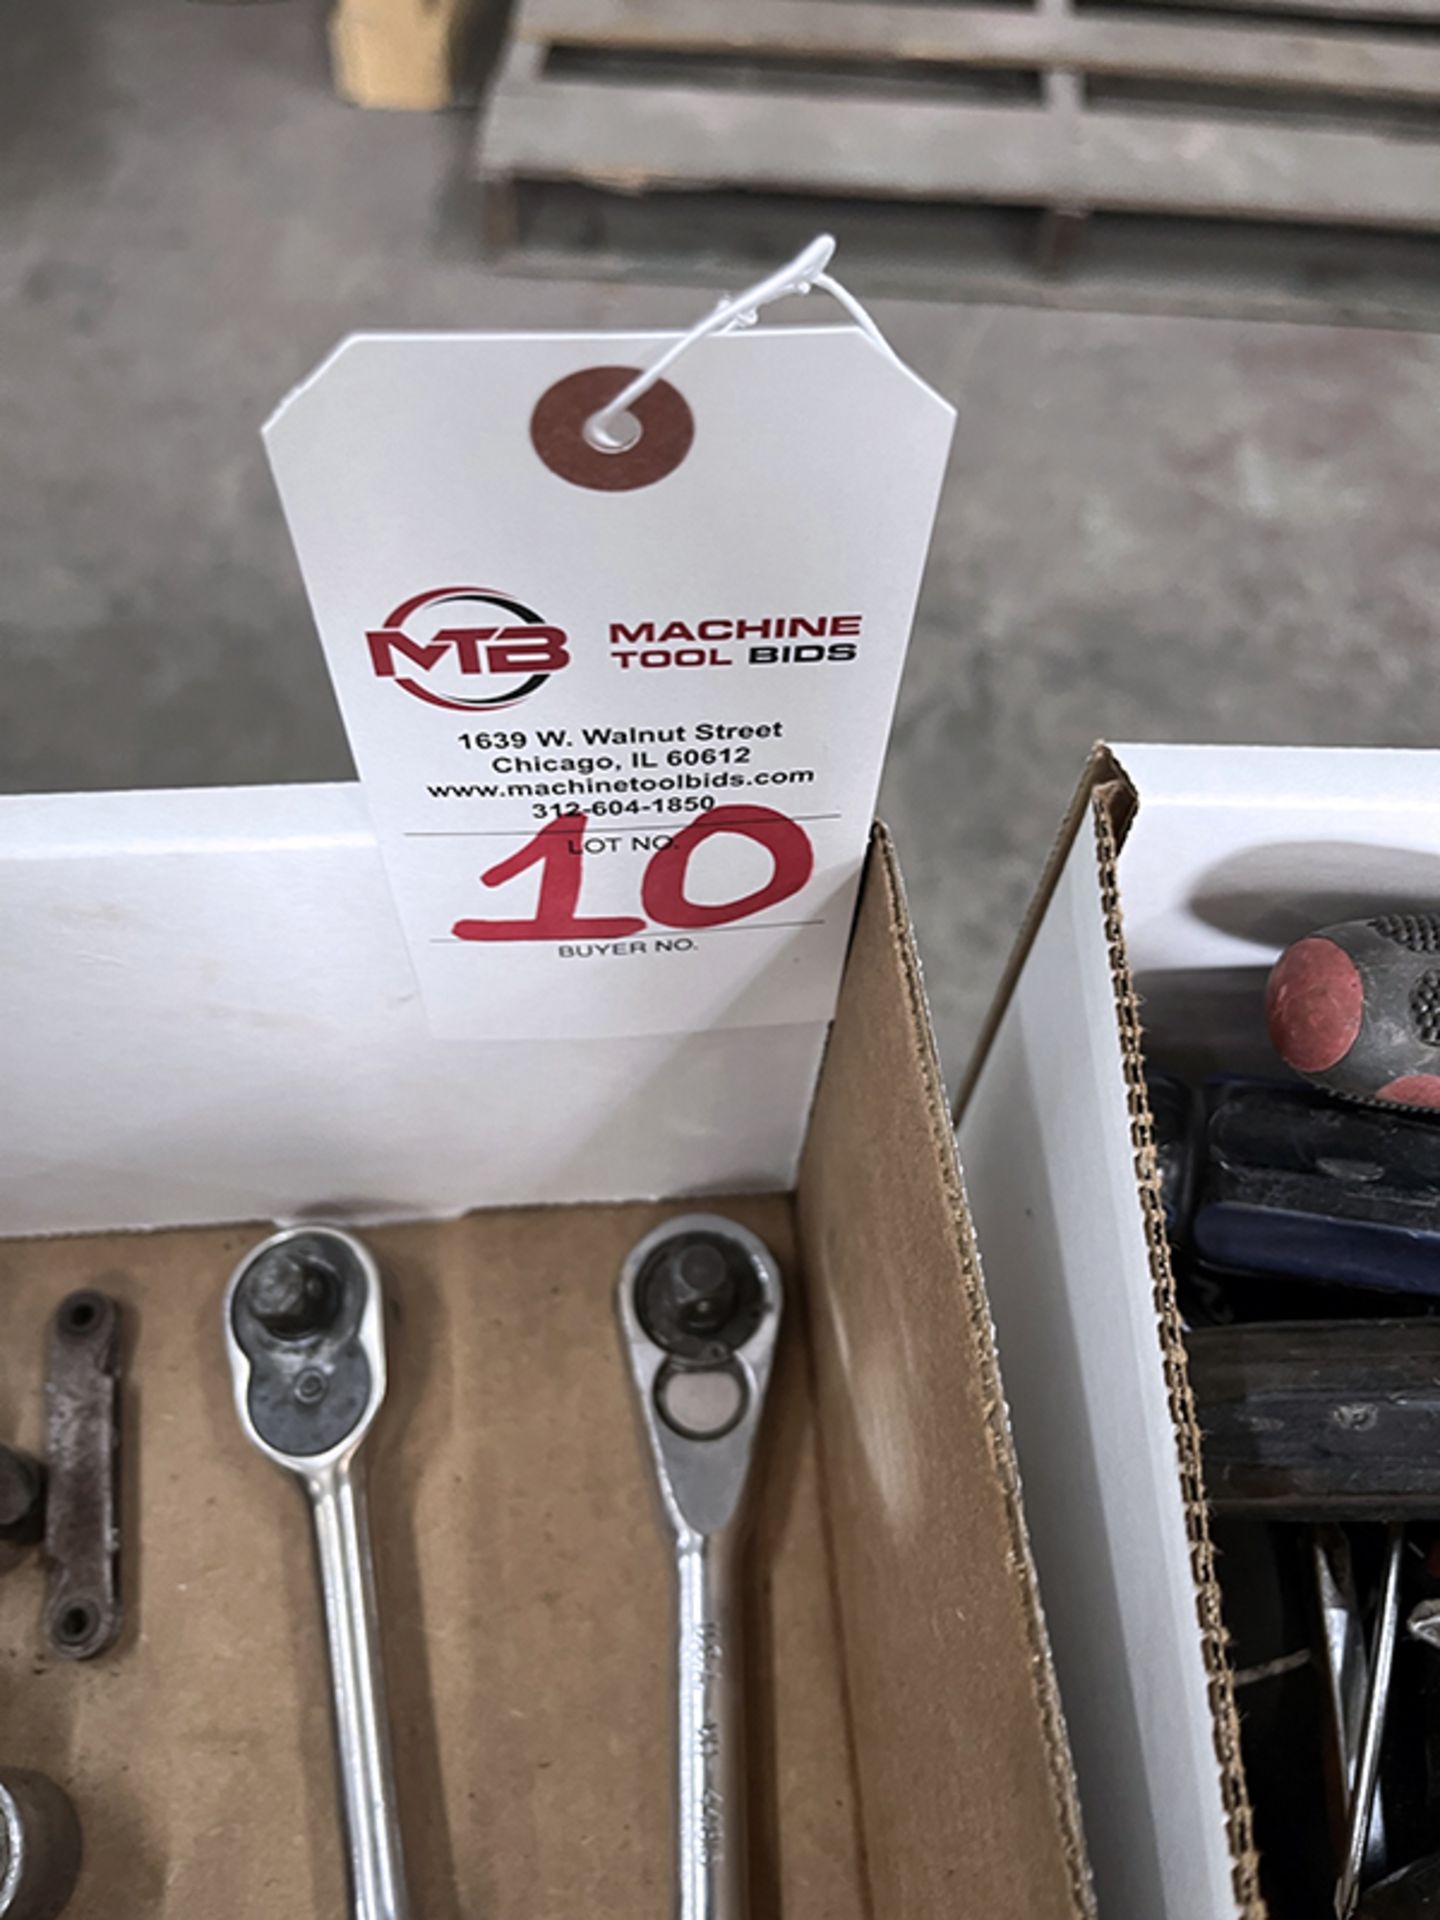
1049, 104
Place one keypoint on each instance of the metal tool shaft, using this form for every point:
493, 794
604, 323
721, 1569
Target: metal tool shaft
710, 1796
362, 1737
1372, 1732
700, 1303
304, 1329
1346, 1660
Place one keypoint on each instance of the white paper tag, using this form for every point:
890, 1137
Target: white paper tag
620, 717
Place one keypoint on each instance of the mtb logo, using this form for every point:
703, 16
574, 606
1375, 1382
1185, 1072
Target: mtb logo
472, 668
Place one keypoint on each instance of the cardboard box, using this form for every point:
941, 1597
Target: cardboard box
1179, 874
907, 1750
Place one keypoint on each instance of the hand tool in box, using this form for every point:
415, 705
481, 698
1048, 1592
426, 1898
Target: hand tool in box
39, 1846
1356, 1007
1298, 1191
71, 1501
82, 1419
1412, 1892
700, 1301
305, 1335
1345, 1662
1329, 1420
1306, 1204
71, 1504
1320, 1419
1372, 1728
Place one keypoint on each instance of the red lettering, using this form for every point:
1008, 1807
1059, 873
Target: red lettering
528, 650
662, 892
509, 649
386, 642
558, 851
466, 642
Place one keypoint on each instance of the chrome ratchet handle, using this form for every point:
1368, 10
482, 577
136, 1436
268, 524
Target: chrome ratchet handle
700, 1301
710, 1792
304, 1331
366, 1766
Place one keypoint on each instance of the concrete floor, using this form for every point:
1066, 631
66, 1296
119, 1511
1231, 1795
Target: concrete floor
1154, 527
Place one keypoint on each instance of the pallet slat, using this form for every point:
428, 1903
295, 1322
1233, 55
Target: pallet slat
1209, 115
635, 138
1224, 55
1405, 12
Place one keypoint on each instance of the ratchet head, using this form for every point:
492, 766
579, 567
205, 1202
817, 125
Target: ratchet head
700, 1302
305, 1334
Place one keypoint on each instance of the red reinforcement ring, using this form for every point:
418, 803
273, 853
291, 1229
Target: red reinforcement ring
557, 431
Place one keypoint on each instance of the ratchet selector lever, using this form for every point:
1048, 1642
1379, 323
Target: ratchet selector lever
700, 1302
305, 1335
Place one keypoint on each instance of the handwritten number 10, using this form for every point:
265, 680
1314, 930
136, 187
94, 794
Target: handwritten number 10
558, 851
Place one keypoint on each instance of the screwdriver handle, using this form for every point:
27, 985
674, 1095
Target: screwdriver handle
1356, 1007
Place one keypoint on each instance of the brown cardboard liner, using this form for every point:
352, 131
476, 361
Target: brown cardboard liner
907, 1754
1107, 795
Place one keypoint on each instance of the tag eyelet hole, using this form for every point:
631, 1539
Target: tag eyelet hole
618, 436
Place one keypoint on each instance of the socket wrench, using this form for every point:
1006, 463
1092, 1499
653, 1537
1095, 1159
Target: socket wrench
700, 1301
304, 1330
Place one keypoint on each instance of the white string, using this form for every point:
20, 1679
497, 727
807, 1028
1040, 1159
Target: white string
803, 274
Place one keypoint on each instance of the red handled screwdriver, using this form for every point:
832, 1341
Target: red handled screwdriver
1356, 1008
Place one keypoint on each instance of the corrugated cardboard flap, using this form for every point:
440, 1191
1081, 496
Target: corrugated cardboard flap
961, 1751
1056, 1130
1109, 836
